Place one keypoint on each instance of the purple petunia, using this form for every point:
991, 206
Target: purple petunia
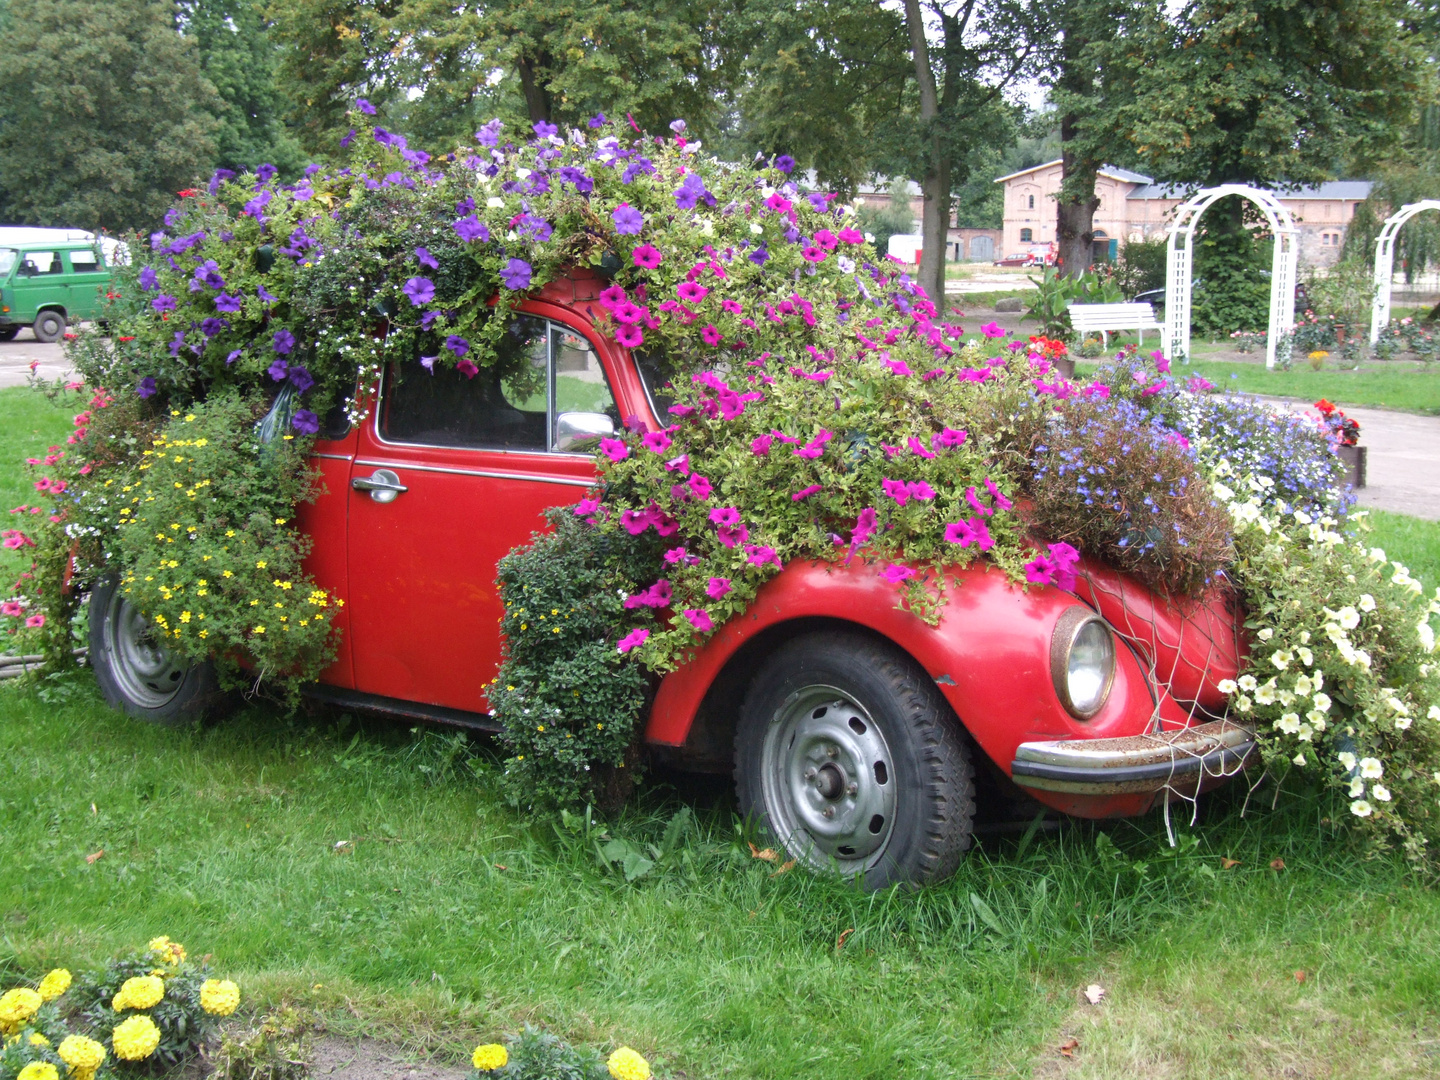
265, 173
471, 229
301, 379
164, 302
420, 290
279, 370
365, 106
146, 387
628, 220
305, 422
545, 130
516, 274
283, 341
785, 163
598, 120
348, 138
457, 345
148, 279
227, 303
426, 259
264, 294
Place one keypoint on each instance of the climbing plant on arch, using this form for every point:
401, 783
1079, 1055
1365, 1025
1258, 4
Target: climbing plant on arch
1385, 262
1180, 260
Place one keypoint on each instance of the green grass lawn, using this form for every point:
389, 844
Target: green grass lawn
29, 422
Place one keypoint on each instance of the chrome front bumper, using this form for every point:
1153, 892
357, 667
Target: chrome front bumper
1185, 761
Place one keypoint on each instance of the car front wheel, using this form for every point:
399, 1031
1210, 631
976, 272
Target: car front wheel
849, 757
136, 673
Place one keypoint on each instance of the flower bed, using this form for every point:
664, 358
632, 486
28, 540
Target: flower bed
819, 407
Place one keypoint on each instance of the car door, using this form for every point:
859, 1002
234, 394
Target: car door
85, 283
451, 472
39, 281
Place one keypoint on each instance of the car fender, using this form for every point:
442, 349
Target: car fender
989, 654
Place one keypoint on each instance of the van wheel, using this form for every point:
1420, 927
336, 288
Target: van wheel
49, 326
138, 675
7, 333
848, 756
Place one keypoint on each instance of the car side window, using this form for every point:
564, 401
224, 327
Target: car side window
36, 263
84, 261
584, 406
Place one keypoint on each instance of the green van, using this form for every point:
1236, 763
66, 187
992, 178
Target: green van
47, 285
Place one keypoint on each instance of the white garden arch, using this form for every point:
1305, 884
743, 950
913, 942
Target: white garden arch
1385, 263
1180, 258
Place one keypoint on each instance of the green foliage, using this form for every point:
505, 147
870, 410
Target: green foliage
1345, 293
105, 113
539, 1055
1231, 289
1055, 292
276, 1048
1141, 266
567, 701
184, 1024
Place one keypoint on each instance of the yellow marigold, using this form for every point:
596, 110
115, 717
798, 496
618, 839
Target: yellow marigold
141, 992
135, 1039
172, 951
626, 1064
54, 984
81, 1054
18, 1005
36, 1039
219, 997
490, 1056
39, 1070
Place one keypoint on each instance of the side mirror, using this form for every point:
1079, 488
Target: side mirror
578, 431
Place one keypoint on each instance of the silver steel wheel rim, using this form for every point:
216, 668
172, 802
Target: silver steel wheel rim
828, 780
147, 673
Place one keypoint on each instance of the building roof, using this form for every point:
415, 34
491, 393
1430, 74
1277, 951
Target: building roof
1336, 190
1111, 171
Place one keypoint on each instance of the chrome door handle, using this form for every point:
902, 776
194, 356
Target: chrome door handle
383, 485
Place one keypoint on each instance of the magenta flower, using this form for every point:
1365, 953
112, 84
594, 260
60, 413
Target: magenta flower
725, 515
35, 620
616, 450
760, 555
647, 257
679, 464
586, 506
992, 330
677, 555
627, 312
812, 254
718, 587
636, 522
628, 220
898, 367
657, 442
897, 490
921, 491
996, 494
732, 306
710, 335
850, 236
825, 239
467, 368
692, 292
1154, 389
699, 619
895, 573
806, 492
778, 203
960, 532
420, 290
865, 526
975, 503
657, 596
731, 535
1040, 571
760, 446
634, 639
700, 487
918, 448
950, 438
815, 447
629, 335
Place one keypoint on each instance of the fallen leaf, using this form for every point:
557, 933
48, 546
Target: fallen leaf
1300, 976
844, 936
768, 854
1069, 1046
501, 866
1277, 864
784, 867
1094, 993
91, 858
1229, 864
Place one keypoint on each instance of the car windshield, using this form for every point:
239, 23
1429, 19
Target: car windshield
655, 372
7, 260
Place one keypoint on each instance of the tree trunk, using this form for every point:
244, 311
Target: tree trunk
537, 98
935, 185
1075, 215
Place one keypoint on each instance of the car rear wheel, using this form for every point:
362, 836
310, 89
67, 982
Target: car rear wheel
7, 333
849, 757
136, 673
49, 326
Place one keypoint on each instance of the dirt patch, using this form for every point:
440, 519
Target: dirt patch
336, 1058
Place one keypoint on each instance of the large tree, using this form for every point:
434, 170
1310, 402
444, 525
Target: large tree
239, 59
966, 53
104, 113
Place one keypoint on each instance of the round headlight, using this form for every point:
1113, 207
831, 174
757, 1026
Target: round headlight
1082, 661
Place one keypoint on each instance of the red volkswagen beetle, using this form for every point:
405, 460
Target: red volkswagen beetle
852, 726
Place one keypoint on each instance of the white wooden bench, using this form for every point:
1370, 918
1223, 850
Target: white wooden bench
1113, 318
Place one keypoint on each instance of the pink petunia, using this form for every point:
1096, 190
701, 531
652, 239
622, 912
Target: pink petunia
718, 587
636, 522
679, 464
612, 297
634, 639
699, 619
676, 555
586, 506
467, 367
960, 532
35, 620
647, 257
999, 496
692, 292
628, 312
760, 555
992, 330
665, 525
850, 236
656, 442
813, 254
921, 491
918, 448
975, 504
1155, 388
760, 446
894, 573
700, 487
865, 526
711, 336
657, 596
732, 306
806, 492
1040, 571
825, 239
778, 203
629, 335
898, 367
897, 490
950, 438
732, 535
815, 447
725, 515
12, 608
614, 449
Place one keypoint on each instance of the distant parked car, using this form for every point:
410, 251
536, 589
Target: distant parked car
46, 285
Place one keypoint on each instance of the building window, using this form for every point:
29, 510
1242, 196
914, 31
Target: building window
1025, 234
1032, 202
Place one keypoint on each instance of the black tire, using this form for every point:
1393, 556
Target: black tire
7, 333
49, 326
841, 722
138, 677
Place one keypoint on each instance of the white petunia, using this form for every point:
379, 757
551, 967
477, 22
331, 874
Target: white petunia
1303, 686
1371, 769
1299, 759
494, 202
1289, 723
1306, 656
1377, 556
1265, 695
1265, 634
1229, 686
1402, 723
1361, 808
1322, 702
1302, 517
1380, 791
1281, 658
1346, 758
1348, 617
1426, 633
1242, 703
1434, 712
1248, 683
1305, 732
1367, 602
1357, 788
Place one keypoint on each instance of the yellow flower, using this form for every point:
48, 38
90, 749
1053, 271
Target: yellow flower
626, 1064
135, 1039
39, 1070
219, 997
141, 992
259, 629
172, 951
81, 1054
490, 1056
36, 1039
54, 984
18, 1005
